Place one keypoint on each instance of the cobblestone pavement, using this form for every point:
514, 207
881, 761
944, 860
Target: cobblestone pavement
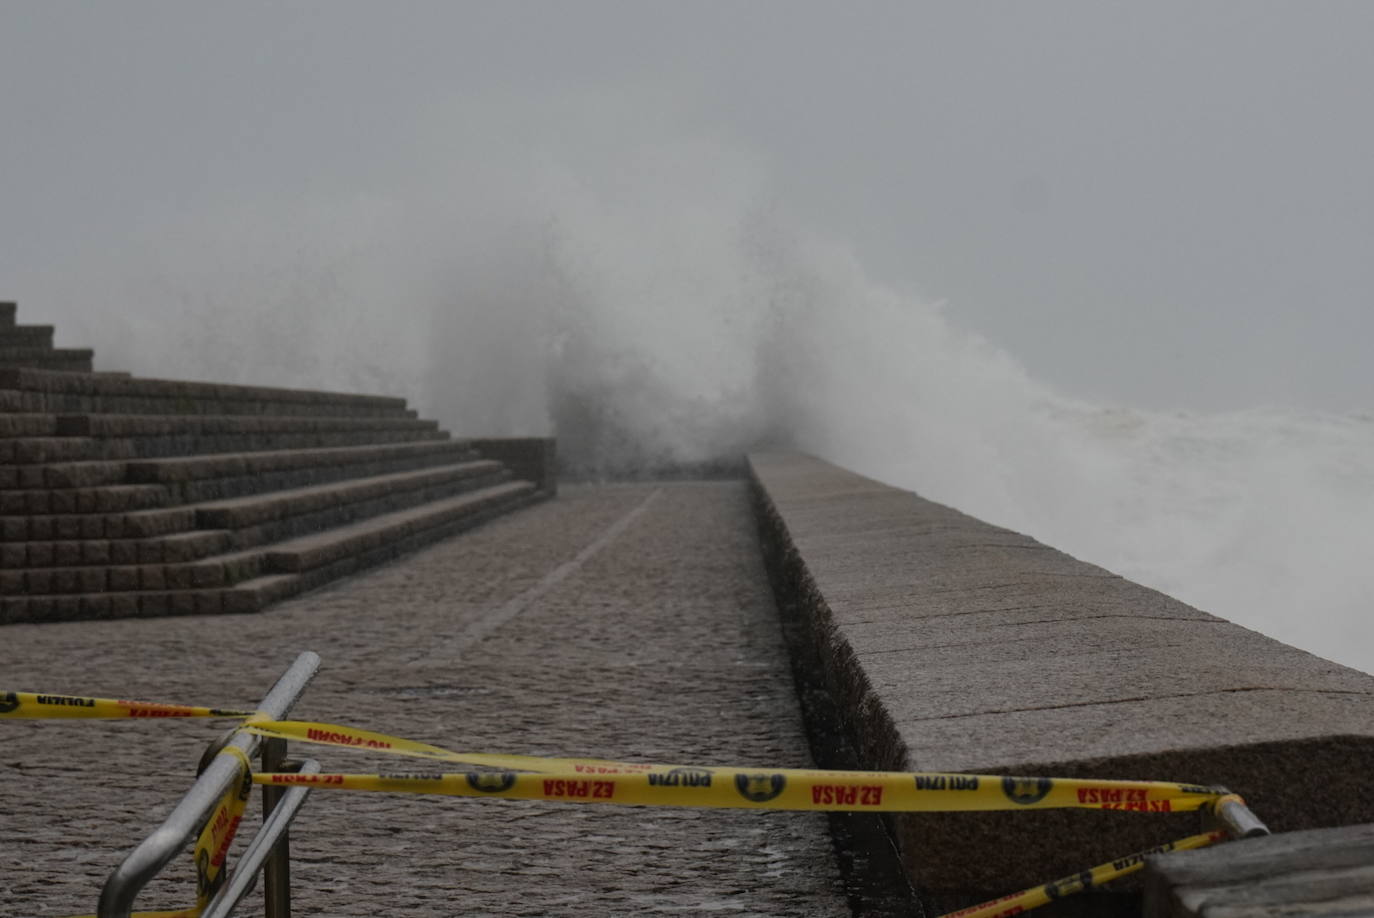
625, 621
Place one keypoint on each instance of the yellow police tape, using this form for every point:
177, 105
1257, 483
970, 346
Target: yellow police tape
212, 847
655, 784
586, 780
783, 789
30, 705
1036, 896
601, 781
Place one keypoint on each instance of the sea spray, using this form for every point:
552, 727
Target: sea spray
1260, 516
655, 305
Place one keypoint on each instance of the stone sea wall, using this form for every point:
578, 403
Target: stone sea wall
956, 646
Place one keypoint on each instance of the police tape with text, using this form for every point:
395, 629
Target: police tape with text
581, 780
596, 780
33, 705
602, 781
1036, 896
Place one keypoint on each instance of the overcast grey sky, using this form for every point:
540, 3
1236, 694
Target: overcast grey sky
1162, 204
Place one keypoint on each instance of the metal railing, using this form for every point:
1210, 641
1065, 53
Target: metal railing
268, 847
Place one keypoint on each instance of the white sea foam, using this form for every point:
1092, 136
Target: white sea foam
755, 333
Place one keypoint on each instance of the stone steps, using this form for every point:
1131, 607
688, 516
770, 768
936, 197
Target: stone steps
317, 550
260, 517
26, 336
78, 474
287, 469
259, 509
172, 549
124, 496
88, 537
115, 498
178, 470
35, 450
68, 360
130, 426
50, 450
245, 524
37, 391
249, 580
28, 425
64, 527
215, 571
340, 553
219, 475
342, 514
31, 346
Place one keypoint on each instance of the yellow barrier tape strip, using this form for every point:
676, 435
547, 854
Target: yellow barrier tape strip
895, 791
32, 705
830, 789
212, 847
787, 789
356, 738
1036, 896
581, 780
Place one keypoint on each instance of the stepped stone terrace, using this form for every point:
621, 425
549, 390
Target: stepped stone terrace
123, 496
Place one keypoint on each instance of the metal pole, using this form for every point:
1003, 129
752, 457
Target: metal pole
1238, 819
1229, 812
276, 872
184, 822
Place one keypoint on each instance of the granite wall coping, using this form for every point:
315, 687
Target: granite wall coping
955, 645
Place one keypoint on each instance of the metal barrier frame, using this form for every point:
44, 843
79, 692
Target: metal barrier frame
185, 821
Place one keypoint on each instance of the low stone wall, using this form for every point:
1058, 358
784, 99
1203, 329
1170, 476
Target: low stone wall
953, 645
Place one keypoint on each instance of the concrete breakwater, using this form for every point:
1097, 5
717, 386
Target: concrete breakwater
953, 645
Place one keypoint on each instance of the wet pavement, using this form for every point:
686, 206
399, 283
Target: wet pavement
626, 621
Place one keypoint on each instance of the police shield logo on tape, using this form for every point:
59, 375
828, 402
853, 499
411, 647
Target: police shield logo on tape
206, 885
760, 788
491, 782
1026, 791
1069, 885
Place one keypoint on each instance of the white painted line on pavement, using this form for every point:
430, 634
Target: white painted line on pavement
484, 625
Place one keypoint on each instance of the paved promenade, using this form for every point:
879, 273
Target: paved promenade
627, 621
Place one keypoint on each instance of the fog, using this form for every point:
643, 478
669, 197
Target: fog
1101, 273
